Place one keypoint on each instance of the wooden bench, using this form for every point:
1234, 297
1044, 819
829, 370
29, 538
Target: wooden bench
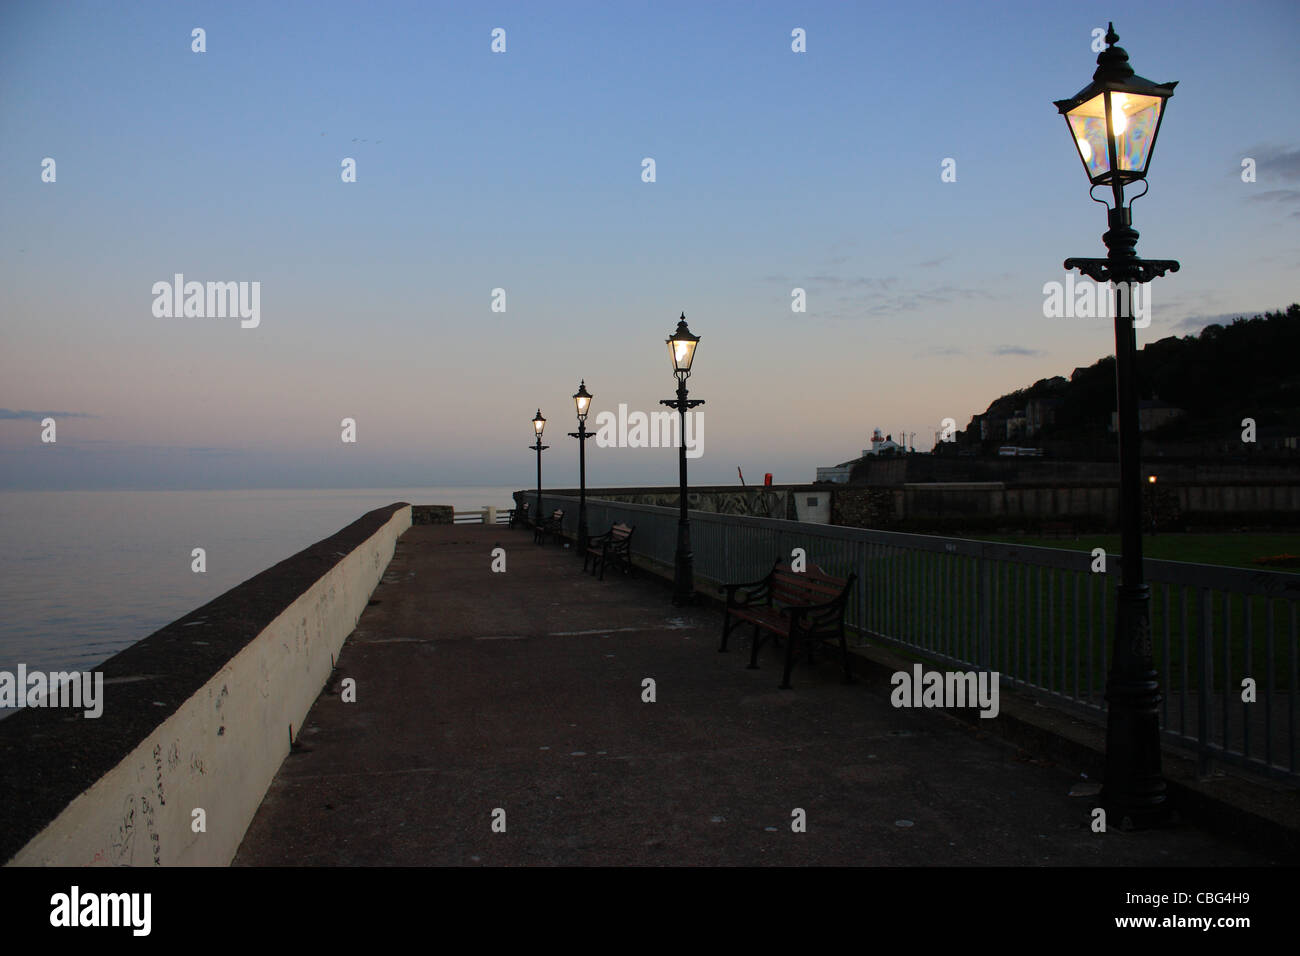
554, 525
797, 606
614, 545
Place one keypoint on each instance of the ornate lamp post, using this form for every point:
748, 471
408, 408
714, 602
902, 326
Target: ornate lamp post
681, 348
582, 402
539, 423
1113, 122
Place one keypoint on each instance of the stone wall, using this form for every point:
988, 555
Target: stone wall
988, 506
858, 507
433, 514
1063, 473
952, 507
764, 502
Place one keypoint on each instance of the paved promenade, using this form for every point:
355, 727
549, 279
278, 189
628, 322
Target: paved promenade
523, 691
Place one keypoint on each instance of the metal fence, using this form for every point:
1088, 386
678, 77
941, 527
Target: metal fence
485, 515
1225, 639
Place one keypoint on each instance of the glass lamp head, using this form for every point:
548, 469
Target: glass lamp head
582, 401
681, 348
1114, 120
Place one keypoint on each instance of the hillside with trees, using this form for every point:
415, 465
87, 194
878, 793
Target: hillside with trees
1197, 389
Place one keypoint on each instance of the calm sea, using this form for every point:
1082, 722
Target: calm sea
84, 574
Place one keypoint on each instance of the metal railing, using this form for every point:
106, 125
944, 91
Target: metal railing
1225, 639
485, 515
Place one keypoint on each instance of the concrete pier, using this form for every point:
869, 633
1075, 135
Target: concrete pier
522, 692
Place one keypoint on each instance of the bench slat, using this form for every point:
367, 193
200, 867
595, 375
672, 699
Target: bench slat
799, 590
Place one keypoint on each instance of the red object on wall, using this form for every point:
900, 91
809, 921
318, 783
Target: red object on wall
767, 480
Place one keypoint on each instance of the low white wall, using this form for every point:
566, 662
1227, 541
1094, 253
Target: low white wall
220, 750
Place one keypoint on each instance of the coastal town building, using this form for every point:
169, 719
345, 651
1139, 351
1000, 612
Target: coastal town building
881, 446
1152, 414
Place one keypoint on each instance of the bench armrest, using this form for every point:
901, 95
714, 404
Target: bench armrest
759, 592
763, 584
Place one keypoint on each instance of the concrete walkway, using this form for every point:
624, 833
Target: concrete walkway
523, 691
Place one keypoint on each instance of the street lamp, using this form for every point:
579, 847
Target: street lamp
539, 423
582, 402
1113, 123
681, 348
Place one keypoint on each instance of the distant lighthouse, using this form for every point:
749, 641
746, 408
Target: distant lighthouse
881, 443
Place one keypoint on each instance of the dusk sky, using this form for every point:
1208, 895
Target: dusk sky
522, 171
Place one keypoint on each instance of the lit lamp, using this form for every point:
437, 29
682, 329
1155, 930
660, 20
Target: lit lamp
582, 403
681, 349
1113, 123
539, 423
1135, 107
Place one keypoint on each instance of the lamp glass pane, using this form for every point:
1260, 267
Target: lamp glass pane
583, 402
1134, 117
1088, 124
682, 352
1135, 130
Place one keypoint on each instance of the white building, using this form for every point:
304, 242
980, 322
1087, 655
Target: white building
880, 444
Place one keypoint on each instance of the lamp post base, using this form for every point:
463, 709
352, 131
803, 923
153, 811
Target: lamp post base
1134, 787
1132, 799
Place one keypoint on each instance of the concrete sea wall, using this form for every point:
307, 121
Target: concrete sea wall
794, 502
985, 506
197, 716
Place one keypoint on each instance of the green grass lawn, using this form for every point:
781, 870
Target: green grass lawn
1040, 617
1229, 550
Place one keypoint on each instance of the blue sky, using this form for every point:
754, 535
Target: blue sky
522, 170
